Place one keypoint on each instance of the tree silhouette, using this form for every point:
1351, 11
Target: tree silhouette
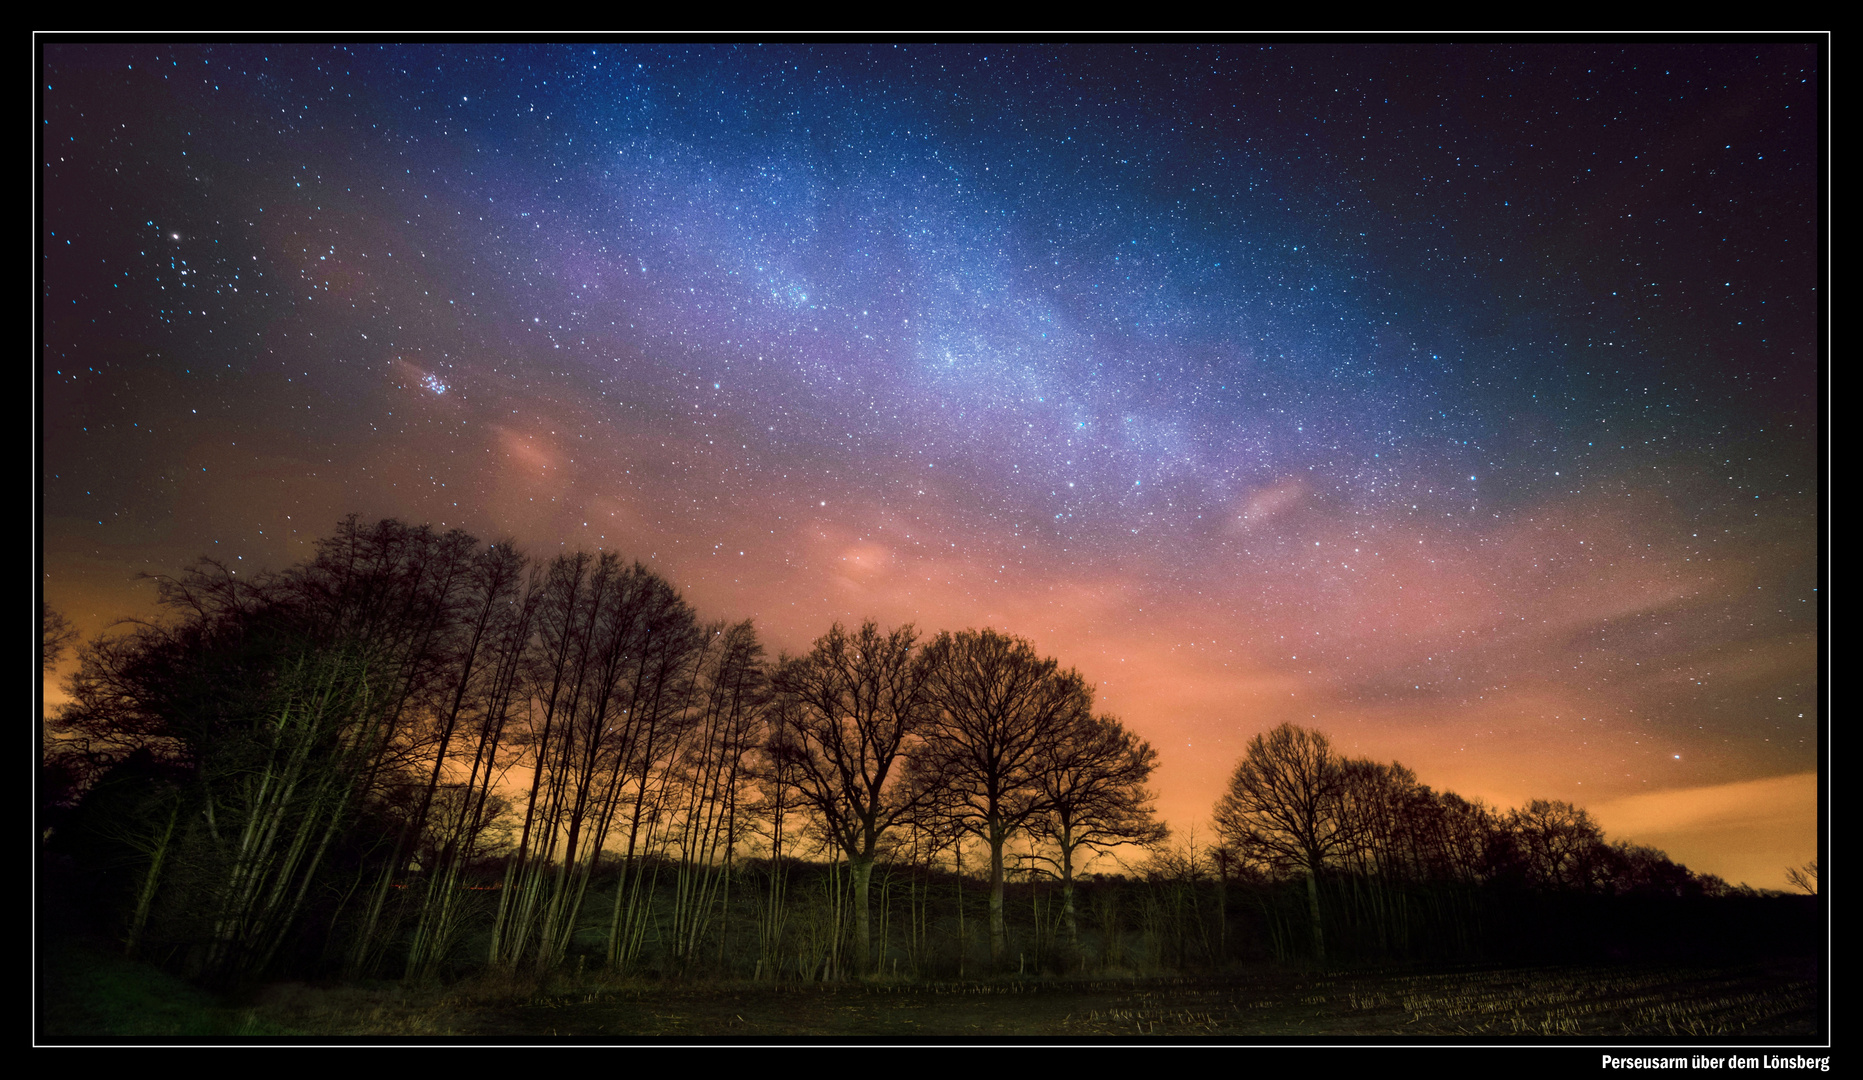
1092, 780
1285, 800
56, 634
847, 712
1804, 878
1636, 868
280, 699
714, 768
307, 770
1562, 845
1000, 709
305, 713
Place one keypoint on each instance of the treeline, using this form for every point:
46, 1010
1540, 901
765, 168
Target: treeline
1354, 858
417, 754
416, 745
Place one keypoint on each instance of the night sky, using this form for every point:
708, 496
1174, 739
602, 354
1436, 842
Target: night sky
1460, 401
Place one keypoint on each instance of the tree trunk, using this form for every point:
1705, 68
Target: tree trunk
962, 940
861, 868
145, 896
999, 935
1069, 922
1313, 913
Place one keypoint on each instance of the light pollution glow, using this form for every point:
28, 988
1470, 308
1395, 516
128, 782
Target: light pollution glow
1401, 467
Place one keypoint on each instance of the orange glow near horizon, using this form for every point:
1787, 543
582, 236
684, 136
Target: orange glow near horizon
1482, 432
1418, 664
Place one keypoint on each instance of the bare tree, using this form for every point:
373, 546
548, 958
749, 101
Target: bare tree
56, 634
1285, 800
851, 707
999, 709
1804, 878
662, 707
612, 679
1563, 846
1092, 778
484, 654
713, 774
1463, 833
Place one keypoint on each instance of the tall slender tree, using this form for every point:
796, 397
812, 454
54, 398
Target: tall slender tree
474, 702
712, 772
282, 701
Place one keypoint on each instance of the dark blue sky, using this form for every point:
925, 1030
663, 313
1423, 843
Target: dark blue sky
1460, 400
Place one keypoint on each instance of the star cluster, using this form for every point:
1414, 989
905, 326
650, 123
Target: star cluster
1458, 400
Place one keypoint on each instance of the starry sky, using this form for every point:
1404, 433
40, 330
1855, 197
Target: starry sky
1461, 401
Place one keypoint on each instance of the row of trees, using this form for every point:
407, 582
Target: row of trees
331, 753
415, 748
1295, 808
989, 740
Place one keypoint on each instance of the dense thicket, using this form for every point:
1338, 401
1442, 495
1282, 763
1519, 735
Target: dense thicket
418, 754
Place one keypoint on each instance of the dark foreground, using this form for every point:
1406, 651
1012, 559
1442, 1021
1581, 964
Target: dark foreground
88, 995
1654, 1002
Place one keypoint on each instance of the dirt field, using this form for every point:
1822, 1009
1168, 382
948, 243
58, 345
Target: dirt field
1777, 1004
89, 992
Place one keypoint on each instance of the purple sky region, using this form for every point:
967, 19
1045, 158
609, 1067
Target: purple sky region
1460, 401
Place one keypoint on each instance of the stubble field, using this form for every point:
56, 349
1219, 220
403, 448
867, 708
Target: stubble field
1658, 1003
1778, 1003
88, 992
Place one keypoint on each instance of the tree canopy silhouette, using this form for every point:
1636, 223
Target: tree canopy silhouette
847, 713
1000, 709
1092, 782
1285, 801
56, 634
